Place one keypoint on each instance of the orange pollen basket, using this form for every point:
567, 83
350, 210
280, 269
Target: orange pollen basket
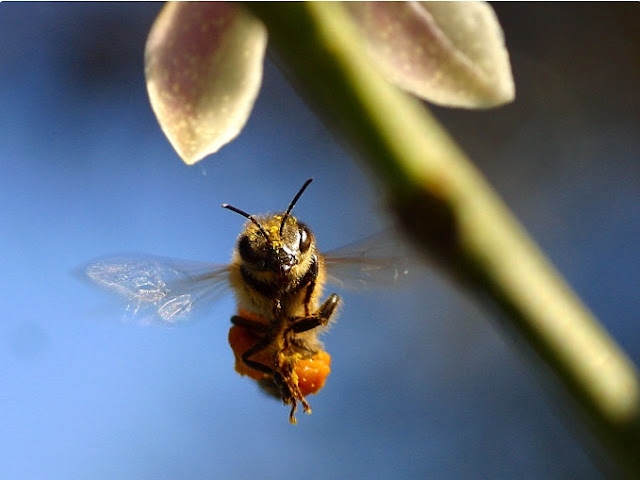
311, 372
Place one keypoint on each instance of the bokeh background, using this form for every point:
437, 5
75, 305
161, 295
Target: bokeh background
423, 385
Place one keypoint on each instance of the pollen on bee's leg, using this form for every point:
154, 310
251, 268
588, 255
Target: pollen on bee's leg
312, 372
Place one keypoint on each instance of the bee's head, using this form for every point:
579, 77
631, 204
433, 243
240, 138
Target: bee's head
275, 244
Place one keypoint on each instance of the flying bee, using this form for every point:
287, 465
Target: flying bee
277, 275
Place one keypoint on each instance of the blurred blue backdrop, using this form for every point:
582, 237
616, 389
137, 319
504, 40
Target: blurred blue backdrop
422, 386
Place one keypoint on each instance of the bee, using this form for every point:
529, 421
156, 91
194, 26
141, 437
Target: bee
277, 274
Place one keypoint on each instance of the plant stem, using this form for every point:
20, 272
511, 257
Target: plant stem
448, 210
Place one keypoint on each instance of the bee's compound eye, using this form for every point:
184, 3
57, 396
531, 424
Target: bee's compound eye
248, 253
305, 239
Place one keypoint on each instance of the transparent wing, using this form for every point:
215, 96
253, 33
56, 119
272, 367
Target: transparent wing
157, 289
379, 260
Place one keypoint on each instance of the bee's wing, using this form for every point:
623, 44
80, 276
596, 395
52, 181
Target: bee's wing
379, 260
157, 289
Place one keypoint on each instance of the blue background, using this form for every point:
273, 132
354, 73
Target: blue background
423, 385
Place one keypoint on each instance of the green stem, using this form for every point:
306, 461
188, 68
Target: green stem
448, 210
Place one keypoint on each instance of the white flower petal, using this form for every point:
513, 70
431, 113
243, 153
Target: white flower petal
450, 53
203, 64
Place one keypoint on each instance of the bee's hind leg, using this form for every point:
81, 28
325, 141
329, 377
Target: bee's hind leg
276, 378
261, 344
258, 347
303, 324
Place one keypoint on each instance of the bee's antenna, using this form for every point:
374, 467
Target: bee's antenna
293, 202
246, 215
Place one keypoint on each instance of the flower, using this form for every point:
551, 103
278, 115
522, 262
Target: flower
204, 61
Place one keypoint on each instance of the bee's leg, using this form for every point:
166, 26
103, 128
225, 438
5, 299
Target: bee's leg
292, 413
254, 327
250, 325
310, 277
260, 345
257, 347
303, 324
321, 317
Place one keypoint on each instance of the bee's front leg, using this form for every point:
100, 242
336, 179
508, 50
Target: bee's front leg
322, 316
251, 325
